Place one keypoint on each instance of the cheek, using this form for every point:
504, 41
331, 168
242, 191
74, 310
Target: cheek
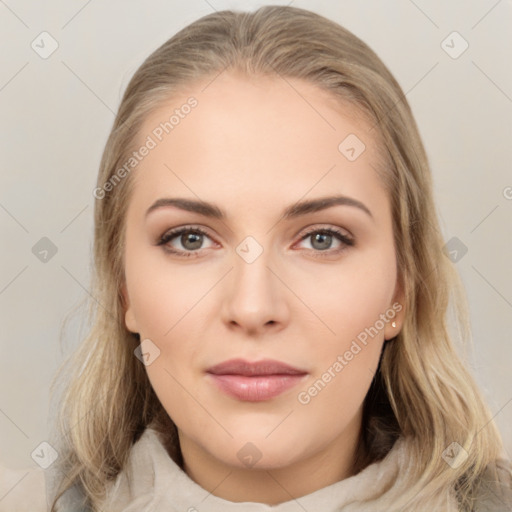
166, 302
161, 295
350, 301
350, 298
351, 304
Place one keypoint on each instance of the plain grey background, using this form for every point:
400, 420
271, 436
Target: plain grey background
57, 110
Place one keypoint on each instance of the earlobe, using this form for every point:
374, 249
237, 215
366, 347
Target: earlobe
396, 313
393, 328
394, 324
129, 317
130, 321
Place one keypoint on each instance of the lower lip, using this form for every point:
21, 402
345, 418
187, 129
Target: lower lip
255, 389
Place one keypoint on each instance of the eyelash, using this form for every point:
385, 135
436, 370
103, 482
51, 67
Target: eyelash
170, 235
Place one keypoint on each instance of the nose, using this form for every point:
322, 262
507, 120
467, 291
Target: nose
255, 298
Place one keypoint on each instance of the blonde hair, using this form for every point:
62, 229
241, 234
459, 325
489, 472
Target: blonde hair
422, 389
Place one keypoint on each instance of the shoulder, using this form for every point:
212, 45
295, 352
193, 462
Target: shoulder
495, 490
22, 490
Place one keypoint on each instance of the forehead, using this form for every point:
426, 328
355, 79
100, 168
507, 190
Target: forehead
250, 137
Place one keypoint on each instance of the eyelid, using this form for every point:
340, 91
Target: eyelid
314, 228
172, 232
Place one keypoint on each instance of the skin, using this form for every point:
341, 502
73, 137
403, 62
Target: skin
254, 146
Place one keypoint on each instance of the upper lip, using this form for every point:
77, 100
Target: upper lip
256, 368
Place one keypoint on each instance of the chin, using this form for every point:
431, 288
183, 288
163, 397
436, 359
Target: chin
256, 452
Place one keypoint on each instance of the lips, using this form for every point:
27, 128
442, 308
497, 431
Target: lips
255, 381
258, 368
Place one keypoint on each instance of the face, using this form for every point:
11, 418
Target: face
259, 275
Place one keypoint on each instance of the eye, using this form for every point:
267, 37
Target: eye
190, 238
321, 241
188, 241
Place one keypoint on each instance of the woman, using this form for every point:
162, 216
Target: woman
269, 328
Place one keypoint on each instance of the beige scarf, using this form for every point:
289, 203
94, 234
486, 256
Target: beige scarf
153, 482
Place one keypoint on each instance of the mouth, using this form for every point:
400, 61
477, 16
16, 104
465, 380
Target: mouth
255, 381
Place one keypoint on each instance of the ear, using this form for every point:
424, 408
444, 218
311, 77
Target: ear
129, 317
396, 312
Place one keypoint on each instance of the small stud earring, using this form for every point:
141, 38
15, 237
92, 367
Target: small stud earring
393, 324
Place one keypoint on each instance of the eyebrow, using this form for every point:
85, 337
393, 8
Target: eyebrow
295, 210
